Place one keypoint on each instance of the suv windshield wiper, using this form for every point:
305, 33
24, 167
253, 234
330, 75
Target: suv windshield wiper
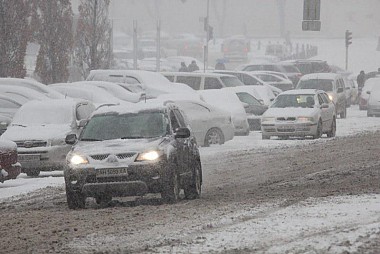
90, 139
133, 137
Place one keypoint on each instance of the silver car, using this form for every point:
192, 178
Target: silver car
300, 113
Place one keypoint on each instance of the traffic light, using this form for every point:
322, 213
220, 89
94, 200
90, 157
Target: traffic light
210, 33
348, 38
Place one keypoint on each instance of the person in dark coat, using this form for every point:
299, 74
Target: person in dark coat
193, 66
220, 65
361, 80
183, 67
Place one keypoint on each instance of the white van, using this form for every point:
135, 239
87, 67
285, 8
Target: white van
203, 81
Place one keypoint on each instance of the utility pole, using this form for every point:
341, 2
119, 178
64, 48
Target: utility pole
206, 28
135, 48
158, 46
348, 38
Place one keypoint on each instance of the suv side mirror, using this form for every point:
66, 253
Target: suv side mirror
71, 139
182, 133
340, 90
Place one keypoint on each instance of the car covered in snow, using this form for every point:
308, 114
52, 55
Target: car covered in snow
373, 107
364, 95
39, 129
300, 113
10, 168
132, 151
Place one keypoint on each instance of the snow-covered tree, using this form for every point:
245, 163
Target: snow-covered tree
14, 35
93, 36
54, 33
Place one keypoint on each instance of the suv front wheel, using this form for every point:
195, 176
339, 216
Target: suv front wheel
194, 189
170, 188
75, 199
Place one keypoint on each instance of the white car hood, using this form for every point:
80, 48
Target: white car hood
116, 146
36, 132
290, 112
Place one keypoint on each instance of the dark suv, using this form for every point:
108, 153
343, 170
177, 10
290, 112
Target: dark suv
130, 152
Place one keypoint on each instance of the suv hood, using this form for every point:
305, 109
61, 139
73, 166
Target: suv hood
37, 132
117, 146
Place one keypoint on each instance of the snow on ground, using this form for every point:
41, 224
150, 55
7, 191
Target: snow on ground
311, 226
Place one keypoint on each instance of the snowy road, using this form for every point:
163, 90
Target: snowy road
263, 196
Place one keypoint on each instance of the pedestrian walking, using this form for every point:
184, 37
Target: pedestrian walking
183, 67
193, 66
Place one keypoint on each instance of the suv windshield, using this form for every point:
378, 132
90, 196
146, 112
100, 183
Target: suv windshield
320, 84
294, 101
125, 126
231, 81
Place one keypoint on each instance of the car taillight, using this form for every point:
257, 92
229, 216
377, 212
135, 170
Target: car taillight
186, 46
225, 50
245, 50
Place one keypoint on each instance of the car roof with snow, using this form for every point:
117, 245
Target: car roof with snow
301, 91
320, 76
198, 74
144, 77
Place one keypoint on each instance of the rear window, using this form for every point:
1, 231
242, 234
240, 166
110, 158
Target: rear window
231, 81
193, 82
320, 84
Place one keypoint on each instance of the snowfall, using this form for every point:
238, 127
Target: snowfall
325, 215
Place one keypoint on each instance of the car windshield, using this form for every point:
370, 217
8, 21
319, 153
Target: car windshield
294, 101
321, 84
125, 126
231, 81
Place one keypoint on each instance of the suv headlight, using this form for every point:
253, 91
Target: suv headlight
76, 159
305, 119
149, 156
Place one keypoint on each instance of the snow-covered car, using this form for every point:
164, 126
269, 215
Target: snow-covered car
253, 106
10, 168
208, 124
364, 95
152, 83
21, 94
133, 151
300, 113
332, 84
8, 106
373, 107
96, 95
31, 84
4, 122
275, 80
228, 100
39, 129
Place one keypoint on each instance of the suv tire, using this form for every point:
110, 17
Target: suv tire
194, 189
332, 131
318, 132
75, 199
170, 188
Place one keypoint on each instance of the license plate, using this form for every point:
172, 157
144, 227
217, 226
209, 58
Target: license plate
28, 157
104, 172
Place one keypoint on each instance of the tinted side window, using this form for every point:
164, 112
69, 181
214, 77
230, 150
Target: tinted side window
180, 118
212, 83
193, 82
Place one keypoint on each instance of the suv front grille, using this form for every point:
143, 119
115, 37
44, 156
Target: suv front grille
121, 156
31, 143
286, 118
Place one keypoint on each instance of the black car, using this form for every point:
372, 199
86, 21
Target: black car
131, 152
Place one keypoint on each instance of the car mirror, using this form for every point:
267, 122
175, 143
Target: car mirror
325, 105
182, 133
82, 123
71, 139
368, 92
340, 90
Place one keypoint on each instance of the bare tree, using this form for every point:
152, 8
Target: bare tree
53, 19
93, 36
14, 35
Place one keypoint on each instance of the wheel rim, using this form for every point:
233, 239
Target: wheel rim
213, 137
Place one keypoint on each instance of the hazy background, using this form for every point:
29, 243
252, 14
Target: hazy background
255, 18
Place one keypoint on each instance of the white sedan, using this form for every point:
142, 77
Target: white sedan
300, 113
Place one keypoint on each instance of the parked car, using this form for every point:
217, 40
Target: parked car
203, 81
236, 48
228, 100
10, 168
186, 45
300, 113
332, 84
253, 106
208, 124
275, 80
373, 107
364, 95
130, 152
152, 83
307, 66
21, 94
31, 84
291, 71
39, 129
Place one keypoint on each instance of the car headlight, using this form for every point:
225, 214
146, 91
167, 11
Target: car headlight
77, 159
268, 119
305, 119
148, 156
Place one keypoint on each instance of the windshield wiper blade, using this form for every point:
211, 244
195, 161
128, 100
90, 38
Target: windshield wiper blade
133, 137
15, 124
90, 139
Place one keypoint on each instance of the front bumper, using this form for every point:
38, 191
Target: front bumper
141, 178
373, 110
43, 158
12, 172
289, 129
